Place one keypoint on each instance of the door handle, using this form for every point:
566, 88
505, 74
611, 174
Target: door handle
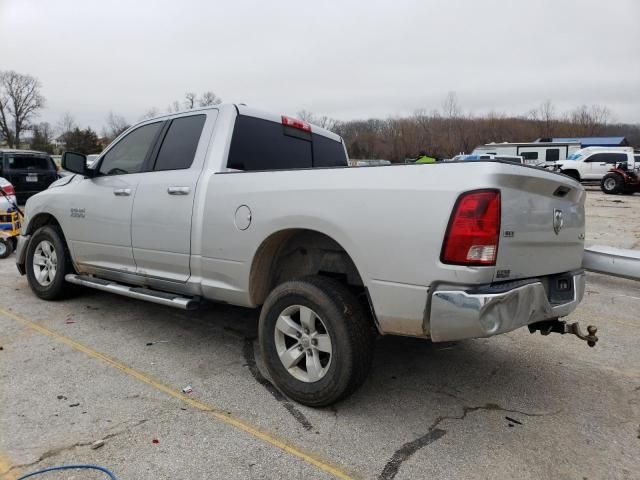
122, 192
173, 190
603, 164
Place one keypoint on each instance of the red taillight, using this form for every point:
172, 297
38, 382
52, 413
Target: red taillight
8, 189
474, 230
295, 123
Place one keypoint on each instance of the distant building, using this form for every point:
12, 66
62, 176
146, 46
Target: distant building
589, 141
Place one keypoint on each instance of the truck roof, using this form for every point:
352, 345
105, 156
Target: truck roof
27, 152
243, 109
528, 144
605, 149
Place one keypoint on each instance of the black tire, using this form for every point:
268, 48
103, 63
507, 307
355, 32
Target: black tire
6, 247
572, 173
349, 329
612, 183
57, 287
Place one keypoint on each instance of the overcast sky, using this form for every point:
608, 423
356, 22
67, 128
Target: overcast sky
345, 59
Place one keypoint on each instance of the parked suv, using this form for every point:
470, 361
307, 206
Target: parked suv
29, 171
593, 163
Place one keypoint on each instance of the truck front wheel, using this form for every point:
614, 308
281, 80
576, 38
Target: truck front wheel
47, 263
316, 340
571, 173
612, 183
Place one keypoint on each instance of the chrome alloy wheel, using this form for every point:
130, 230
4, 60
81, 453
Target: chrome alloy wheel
45, 263
303, 343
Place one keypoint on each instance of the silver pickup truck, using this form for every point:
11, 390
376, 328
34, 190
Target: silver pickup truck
233, 205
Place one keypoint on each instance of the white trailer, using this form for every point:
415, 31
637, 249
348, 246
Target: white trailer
533, 153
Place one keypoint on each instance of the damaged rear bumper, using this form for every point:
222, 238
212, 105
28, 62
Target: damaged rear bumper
495, 309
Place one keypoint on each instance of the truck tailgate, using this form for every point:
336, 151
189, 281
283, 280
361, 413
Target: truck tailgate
543, 224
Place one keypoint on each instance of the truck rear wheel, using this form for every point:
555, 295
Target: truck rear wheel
612, 183
316, 340
47, 263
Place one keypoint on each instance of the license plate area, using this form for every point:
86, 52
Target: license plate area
32, 178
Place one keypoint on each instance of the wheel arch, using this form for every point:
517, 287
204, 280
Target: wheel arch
297, 252
572, 172
43, 219
40, 220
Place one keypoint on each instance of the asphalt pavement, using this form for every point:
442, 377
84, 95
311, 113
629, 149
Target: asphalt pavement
102, 367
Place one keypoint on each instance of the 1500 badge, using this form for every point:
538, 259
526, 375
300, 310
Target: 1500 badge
77, 213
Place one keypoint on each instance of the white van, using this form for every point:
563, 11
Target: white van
533, 153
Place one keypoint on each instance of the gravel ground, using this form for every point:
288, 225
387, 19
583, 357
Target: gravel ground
517, 405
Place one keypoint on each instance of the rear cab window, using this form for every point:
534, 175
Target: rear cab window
259, 144
17, 162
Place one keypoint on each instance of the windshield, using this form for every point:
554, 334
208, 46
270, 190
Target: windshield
575, 156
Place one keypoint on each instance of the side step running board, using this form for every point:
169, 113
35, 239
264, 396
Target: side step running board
154, 296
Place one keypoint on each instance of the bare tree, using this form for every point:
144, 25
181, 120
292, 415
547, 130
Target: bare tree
116, 124
451, 106
20, 101
174, 107
590, 120
208, 99
324, 121
65, 125
545, 117
190, 100
150, 113
305, 115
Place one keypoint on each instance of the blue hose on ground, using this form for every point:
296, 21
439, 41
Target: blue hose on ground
70, 467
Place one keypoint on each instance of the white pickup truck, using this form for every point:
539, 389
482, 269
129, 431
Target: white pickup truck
233, 205
593, 163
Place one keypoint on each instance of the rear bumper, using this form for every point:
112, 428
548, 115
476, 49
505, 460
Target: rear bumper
460, 314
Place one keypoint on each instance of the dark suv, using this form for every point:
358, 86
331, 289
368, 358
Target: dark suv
30, 172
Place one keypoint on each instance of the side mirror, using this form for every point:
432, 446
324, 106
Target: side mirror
75, 163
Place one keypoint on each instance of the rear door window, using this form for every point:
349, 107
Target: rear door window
610, 158
180, 143
614, 158
259, 144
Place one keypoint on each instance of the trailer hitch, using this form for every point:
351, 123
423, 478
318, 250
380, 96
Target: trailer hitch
562, 327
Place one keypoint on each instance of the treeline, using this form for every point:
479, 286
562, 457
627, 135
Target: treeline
449, 131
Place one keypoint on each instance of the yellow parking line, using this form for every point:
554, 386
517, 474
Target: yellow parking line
7, 471
215, 412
